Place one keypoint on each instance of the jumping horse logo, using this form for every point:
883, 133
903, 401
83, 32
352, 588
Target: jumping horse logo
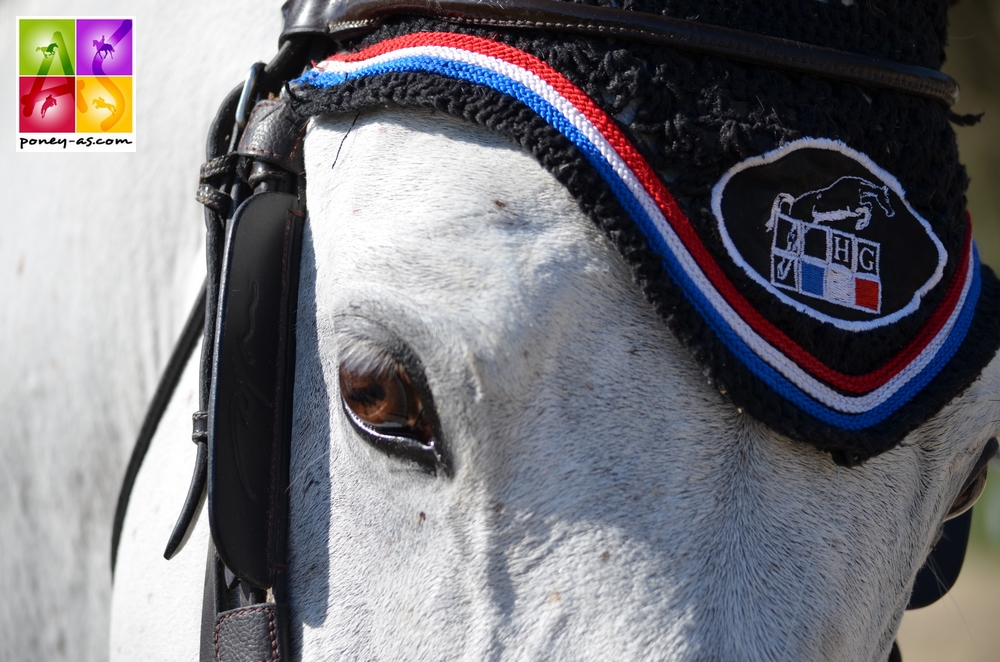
99, 102
818, 261
49, 102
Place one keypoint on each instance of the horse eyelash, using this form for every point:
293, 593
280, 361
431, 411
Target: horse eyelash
366, 358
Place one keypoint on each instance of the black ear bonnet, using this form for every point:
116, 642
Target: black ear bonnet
820, 264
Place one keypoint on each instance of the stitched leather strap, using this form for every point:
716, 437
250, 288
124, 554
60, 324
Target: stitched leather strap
237, 625
342, 19
248, 634
272, 135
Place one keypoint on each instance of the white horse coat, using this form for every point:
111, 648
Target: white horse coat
605, 499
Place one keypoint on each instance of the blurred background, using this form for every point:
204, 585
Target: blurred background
964, 626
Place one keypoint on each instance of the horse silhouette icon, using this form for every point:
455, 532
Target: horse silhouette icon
48, 103
848, 197
104, 49
99, 102
48, 51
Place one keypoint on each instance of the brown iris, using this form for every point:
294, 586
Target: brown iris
382, 398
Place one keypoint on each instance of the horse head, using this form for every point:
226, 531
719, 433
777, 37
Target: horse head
538, 408
558, 495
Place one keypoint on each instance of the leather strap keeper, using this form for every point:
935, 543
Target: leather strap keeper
248, 634
271, 135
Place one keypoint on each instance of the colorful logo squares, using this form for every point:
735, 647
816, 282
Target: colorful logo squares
75, 76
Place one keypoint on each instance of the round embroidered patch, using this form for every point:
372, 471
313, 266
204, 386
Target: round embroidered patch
824, 229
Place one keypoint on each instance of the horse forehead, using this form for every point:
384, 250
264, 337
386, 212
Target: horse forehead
500, 276
444, 176
452, 218
484, 251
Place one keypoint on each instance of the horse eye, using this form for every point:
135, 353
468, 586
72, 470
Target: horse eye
382, 403
975, 483
383, 398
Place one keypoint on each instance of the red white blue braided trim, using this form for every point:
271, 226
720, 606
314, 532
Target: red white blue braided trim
768, 353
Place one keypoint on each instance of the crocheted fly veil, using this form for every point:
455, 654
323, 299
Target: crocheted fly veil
806, 238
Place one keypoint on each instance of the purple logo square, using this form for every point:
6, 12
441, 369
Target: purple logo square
104, 46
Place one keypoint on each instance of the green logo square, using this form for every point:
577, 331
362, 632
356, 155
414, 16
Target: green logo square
46, 46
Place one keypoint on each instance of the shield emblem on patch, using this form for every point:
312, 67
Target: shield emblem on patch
824, 229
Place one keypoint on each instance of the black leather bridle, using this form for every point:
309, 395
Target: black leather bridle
253, 189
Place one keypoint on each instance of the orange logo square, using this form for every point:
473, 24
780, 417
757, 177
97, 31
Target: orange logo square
104, 104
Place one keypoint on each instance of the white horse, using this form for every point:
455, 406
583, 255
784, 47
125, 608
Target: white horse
605, 499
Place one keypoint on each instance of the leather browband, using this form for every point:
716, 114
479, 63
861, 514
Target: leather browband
343, 19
